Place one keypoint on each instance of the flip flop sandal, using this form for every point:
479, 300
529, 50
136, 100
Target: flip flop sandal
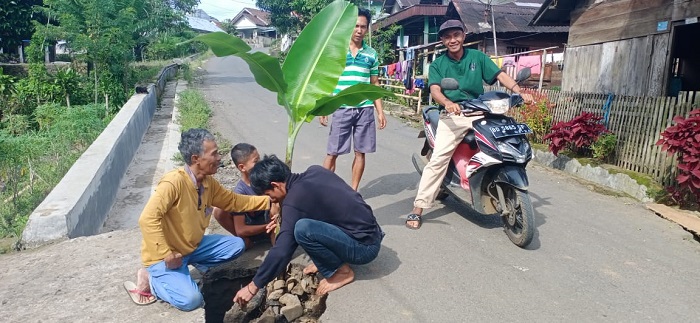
414, 217
135, 293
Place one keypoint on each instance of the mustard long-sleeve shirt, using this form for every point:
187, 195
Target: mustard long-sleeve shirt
174, 220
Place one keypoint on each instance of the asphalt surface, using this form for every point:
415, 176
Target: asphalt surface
594, 258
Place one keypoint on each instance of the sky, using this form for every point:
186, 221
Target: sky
225, 9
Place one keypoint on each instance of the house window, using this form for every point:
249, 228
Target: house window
515, 50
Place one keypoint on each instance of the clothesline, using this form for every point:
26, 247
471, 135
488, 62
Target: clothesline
526, 52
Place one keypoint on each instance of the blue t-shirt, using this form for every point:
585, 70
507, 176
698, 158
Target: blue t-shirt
251, 218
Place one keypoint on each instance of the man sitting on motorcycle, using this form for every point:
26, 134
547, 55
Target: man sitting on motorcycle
470, 68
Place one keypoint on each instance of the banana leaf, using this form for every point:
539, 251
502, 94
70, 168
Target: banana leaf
317, 57
350, 96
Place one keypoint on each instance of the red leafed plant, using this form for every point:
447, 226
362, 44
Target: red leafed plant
577, 134
683, 139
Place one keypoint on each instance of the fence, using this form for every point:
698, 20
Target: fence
636, 121
394, 85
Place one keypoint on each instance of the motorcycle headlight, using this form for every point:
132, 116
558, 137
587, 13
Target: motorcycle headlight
498, 106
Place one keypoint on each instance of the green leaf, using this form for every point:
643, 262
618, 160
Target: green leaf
350, 96
223, 44
317, 58
267, 71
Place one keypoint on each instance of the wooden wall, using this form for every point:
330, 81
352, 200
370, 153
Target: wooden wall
636, 67
685, 9
609, 20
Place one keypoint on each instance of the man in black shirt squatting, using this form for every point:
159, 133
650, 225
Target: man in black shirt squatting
324, 216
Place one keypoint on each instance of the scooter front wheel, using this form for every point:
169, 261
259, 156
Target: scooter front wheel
518, 216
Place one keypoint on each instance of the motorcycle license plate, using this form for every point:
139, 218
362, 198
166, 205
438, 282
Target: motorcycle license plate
509, 130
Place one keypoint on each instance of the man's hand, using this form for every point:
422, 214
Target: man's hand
245, 294
382, 120
173, 260
527, 97
323, 120
453, 108
271, 226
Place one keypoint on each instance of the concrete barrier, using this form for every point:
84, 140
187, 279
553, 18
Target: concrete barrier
619, 182
79, 204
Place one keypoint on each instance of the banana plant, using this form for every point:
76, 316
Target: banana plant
304, 83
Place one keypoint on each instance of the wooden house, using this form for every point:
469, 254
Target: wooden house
511, 20
627, 47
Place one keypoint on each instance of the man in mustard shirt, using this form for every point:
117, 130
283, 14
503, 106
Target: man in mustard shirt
173, 224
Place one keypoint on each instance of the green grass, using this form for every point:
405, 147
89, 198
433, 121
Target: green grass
194, 110
32, 163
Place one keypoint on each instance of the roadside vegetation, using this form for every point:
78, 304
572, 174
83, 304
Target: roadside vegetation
51, 113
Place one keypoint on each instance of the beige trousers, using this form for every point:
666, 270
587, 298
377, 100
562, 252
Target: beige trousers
450, 132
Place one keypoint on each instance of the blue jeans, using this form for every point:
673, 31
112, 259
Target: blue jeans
176, 286
329, 247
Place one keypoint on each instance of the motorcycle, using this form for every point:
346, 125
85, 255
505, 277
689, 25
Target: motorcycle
487, 170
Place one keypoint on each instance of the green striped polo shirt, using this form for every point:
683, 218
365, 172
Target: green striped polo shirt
358, 69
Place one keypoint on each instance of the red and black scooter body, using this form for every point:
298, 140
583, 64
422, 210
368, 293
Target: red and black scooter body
496, 150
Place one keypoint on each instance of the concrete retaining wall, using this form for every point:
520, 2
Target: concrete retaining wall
619, 182
79, 204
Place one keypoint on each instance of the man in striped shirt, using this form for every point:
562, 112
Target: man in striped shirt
362, 66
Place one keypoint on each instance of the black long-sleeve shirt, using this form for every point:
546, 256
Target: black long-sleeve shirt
321, 195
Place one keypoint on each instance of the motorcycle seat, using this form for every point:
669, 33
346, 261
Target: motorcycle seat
432, 115
470, 139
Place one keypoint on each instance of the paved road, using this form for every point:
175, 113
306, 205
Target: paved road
595, 257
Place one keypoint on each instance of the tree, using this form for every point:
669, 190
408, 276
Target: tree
16, 22
158, 19
292, 16
102, 30
228, 26
383, 43
304, 84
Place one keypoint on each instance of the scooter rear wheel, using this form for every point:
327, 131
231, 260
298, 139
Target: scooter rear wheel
519, 223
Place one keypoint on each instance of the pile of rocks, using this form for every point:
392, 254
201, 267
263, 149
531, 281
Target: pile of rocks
289, 298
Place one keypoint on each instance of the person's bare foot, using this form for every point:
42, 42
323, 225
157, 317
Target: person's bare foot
343, 276
142, 284
310, 269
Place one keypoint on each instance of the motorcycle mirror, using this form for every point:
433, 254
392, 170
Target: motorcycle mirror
523, 75
449, 84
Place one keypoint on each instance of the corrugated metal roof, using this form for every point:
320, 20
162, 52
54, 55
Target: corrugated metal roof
511, 17
202, 24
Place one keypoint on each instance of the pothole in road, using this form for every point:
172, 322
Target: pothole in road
290, 298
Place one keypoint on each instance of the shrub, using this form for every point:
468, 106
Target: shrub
15, 124
604, 147
46, 114
578, 134
683, 139
537, 115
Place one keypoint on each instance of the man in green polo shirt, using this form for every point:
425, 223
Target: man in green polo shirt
471, 68
361, 66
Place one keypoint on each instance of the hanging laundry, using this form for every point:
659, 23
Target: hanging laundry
407, 80
533, 62
402, 42
508, 61
498, 61
410, 52
419, 83
382, 71
399, 71
390, 70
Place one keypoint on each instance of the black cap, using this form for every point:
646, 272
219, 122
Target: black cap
450, 24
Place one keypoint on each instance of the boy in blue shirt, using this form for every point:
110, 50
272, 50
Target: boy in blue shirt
252, 227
